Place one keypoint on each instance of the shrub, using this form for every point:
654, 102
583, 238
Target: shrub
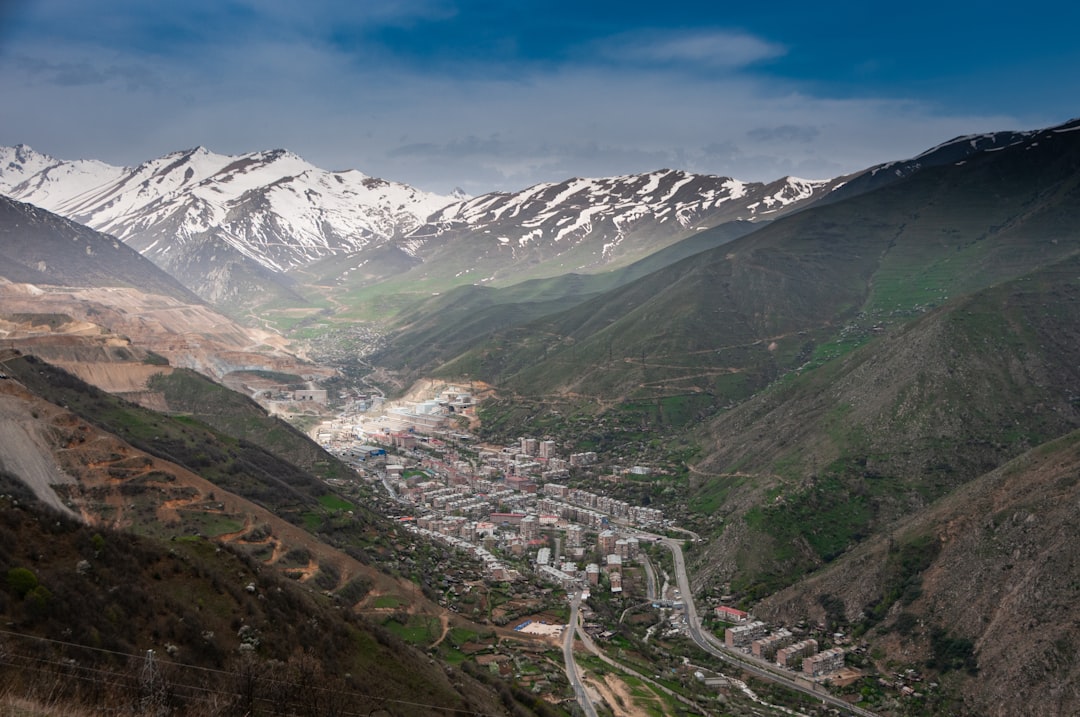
38, 601
951, 653
21, 581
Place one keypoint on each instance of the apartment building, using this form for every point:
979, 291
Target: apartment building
766, 647
823, 662
740, 636
790, 655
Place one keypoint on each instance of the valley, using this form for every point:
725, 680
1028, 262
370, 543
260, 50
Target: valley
653, 444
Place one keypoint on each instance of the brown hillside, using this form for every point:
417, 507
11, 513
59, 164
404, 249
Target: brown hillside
107, 482
1006, 577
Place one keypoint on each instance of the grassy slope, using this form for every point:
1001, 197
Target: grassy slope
191, 393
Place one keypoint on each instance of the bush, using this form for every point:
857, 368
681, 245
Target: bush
21, 581
38, 601
951, 653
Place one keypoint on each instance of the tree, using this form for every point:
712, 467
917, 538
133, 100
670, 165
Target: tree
21, 581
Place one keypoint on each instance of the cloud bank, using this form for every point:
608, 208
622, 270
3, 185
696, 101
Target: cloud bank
369, 86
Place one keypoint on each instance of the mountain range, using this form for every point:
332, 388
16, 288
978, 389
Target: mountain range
256, 228
220, 223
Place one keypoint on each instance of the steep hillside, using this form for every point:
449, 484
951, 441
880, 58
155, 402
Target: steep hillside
977, 589
117, 465
84, 605
187, 393
807, 469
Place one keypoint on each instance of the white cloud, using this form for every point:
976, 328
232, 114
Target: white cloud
465, 130
712, 49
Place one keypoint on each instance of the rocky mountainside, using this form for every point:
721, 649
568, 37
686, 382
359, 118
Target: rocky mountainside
582, 225
226, 226
980, 584
59, 278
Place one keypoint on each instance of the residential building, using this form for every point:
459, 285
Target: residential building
767, 646
740, 636
790, 655
823, 662
606, 542
592, 572
575, 536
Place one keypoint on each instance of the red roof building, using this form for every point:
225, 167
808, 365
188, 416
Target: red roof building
730, 614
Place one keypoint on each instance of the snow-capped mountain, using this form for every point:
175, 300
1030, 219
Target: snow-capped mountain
956, 151
593, 222
194, 211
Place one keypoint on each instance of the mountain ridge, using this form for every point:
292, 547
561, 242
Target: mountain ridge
196, 213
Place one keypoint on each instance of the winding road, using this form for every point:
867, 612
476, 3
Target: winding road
706, 641
572, 673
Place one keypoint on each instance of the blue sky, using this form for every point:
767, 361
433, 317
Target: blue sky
500, 95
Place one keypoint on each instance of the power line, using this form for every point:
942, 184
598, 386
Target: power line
182, 666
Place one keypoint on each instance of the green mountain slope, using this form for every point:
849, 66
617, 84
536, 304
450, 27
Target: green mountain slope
441, 327
821, 461
192, 394
728, 321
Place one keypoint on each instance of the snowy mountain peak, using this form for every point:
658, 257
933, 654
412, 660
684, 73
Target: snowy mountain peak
604, 218
271, 207
20, 162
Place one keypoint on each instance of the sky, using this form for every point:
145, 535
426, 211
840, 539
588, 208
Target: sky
501, 95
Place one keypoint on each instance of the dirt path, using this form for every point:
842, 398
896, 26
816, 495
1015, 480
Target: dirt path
445, 620
619, 698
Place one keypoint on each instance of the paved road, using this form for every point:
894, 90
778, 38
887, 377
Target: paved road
708, 642
568, 657
650, 577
